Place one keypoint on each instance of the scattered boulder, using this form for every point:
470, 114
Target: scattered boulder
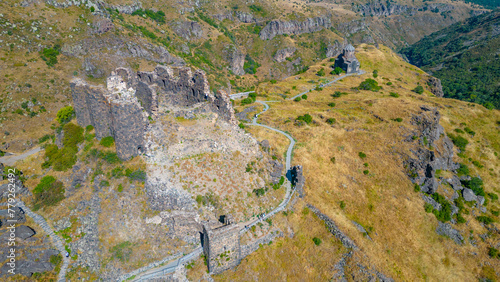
265, 144
480, 200
454, 181
469, 195
24, 232
445, 229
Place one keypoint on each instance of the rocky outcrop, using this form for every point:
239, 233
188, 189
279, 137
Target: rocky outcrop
188, 30
384, 8
335, 49
90, 68
103, 25
276, 171
24, 232
277, 27
281, 55
236, 59
445, 229
435, 86
245, 17
332, 227
298, 179
422, 169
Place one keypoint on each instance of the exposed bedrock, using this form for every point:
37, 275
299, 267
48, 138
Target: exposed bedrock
277, 27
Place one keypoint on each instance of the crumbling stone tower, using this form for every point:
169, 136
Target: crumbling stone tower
221, 246
122, 109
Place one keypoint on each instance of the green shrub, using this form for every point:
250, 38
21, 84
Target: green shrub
459, 141
332, 159
241, 125
342, 204
304, 97
107, 141
307, 118
395, 95
120, 188
419, 89
64, 158
104, 183
416, 187
366, 172
259, 192
445, 213
458, 130
49, 55
475, 184
48, 192
493, 253
297, 99
317, 241
477, 164
337, 71
428, 208
321, 72
468, 130
398, 119
463, 170
485, 219
331, 105
64, 115
493, 196
389, 83
369, 84
362, 155
459, 218
331, 120
375, 73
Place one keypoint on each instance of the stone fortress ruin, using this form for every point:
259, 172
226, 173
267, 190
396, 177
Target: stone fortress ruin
122, 109
347, 60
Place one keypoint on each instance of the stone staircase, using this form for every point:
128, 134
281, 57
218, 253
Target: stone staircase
58, 243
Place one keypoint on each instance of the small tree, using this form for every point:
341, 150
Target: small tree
321, 72
337, 71
64, 115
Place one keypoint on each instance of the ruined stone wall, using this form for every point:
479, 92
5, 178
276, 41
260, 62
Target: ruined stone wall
118, 111
129, 126
221, 247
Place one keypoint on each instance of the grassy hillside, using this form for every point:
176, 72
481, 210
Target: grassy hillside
373, 189
465, 57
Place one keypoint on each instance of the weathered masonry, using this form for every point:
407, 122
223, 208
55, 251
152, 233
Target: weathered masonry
122, 108
221, 246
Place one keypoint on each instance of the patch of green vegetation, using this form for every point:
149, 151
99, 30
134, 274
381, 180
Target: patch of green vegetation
463, 170
485, 219
459, 141
395, 95
49, 55
342, 204
337, 71
362, 155
158, 16
419, 89
107, 141
369, 84
398, 119
307, 118
64, 115
121, 251
375, 73
416, 187
250, 66
317, 241
321, 72
45, 138
493, 253
64, 158
331, 105
445, 213
48, 192
331, 120
304, 97
260, 192
297, 99
475, 184
138, 174
428, 208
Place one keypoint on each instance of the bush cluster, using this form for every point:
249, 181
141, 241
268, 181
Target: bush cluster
369, 84
48, 192
64, 158
307, 118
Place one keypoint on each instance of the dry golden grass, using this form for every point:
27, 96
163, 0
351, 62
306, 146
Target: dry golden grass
405, 245
291, 259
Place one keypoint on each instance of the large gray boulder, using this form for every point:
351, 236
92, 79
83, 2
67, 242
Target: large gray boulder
24, 232
469, 195
445, 229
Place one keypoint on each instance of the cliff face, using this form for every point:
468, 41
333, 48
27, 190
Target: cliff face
282, 54
379, 8
277, 27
